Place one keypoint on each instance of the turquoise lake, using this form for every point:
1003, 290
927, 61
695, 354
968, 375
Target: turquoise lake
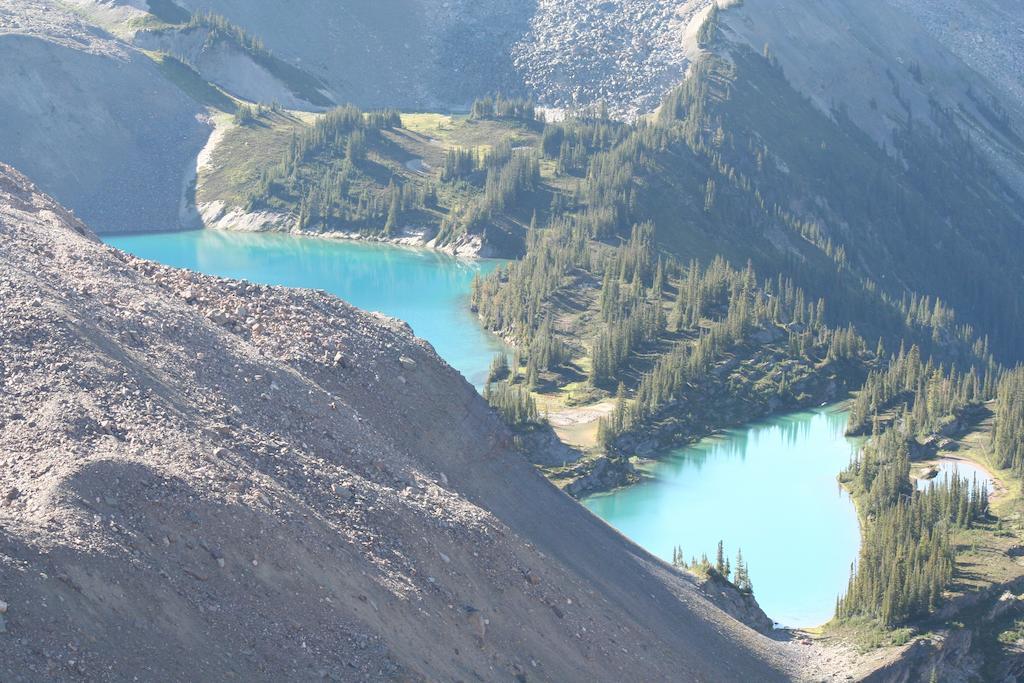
769, 489
426, 289
961, 468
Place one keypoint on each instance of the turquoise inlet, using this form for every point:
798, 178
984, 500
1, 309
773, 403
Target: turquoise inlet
961, 468
426, 289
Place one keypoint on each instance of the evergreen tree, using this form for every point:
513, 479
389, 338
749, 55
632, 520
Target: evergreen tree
742, 580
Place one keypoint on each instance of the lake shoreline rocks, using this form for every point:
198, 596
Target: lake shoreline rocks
218, 216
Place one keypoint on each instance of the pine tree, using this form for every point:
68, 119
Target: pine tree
393, 210
742, 574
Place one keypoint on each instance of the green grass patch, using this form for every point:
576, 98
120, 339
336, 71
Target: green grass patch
143, 22
487, 133
460, 131
431, 125
242, 155
867, 634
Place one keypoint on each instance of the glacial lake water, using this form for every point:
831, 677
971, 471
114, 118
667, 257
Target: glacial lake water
963, 469
426, 289
769, 489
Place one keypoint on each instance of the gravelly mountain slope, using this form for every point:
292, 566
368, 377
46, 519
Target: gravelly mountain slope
443, 53
625, 53
204, 479
93, 121
424, 54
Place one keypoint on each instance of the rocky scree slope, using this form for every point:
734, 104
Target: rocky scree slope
441, 54
226, 64
203, 478
422, 54
94, 122
626, 54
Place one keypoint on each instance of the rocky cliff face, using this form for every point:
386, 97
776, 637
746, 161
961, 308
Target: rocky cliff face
431, 54
225, 64
94, 122
203, 479
988, 35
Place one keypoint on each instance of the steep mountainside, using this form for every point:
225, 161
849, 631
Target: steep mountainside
626, 53
440, 54
424, 54
877, 64
94, 122
206, 479
877, 209
945, 218
988, 35
118, 99
236, 67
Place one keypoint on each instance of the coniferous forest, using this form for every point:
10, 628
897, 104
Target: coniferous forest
908, 557
704, 266
689, 269
748, 271
691, 323
1008, 435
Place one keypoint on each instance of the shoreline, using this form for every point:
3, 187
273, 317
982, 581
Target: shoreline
720, 431
217, 215
999, 487
803, 634
409, 240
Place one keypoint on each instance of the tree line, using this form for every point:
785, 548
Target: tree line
504, 108
929, 393
1008, 432
322, 174
721, 567
515, 403
907, 555
686, 317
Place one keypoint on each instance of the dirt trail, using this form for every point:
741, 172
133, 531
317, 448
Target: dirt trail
578, 426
